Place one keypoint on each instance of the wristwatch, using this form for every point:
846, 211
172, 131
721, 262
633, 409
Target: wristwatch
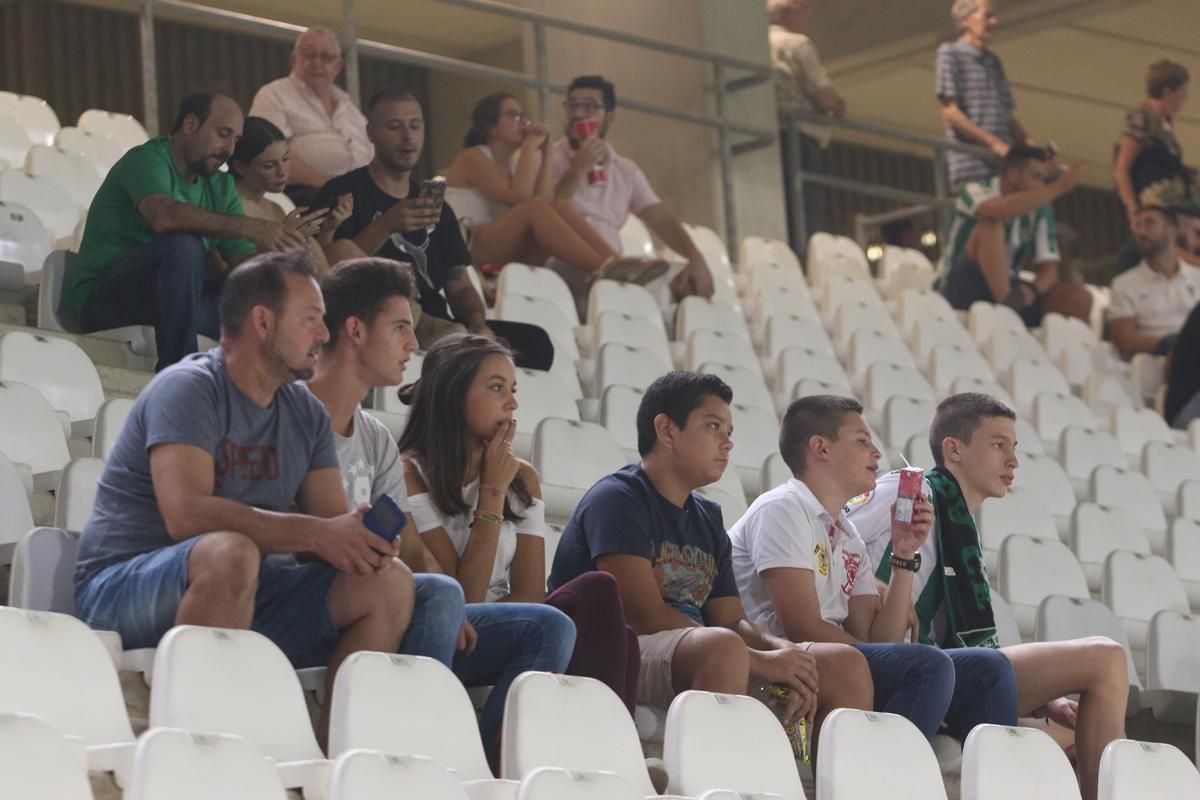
911, 564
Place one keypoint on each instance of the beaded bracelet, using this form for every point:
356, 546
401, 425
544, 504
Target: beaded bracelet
488, 516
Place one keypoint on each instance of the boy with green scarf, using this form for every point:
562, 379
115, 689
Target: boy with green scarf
973, 439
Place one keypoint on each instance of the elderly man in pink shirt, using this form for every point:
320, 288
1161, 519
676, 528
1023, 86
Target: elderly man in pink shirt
623, 191
328, 134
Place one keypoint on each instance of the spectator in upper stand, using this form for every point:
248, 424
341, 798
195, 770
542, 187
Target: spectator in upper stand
390, 218
667, 548
260, 166
605, 205
977, 103
802, 85
162, 230
225, 466
327, 132
1000, 225
1151, 301
1183, 375
499, 185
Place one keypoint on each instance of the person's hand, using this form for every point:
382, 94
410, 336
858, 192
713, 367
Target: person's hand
500, 466
268, 235
1069, 178
590, 153
795, 668
1063, 711
349, 546
914, 625
1000, 148
412, 214
907, 538
340, 212
467, 637
693, 279
307, 223
537, 135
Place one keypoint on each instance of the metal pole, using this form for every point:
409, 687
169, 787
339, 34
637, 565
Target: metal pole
726, 156
543, 69
794, 181
350, 35
149, 73
941, 188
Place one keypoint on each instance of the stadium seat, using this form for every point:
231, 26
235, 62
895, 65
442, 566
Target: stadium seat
1061, 332
173, 764
635, 331
770, 275
756, 250
43, 571
733, 505
14, 142
32, 433
618, 413
828, 254
635, 238
1022, 512
1053, 413
626, 298
1061, 618
544, 313
24, 245
1133, 427
884, 381
110, 419
786, 330
915, 305
984, 319
968, 384
628, 365
868, 346
60, 370
17, 519
1103, 391
408, 704
121, 128
1099, 530
1030, 570
1132, 770
56, 667
51, 316
1082, 450
726, 348
1168, 466
46, 197
1007, 632
550, 783
1078, 361
895, 746
904, 268
696, 313
74, 173
37, 761
1148, 374
799, 362
1183, 551
756, 438
840, 290
749, 388
917, 451
949, 362
597, 734
715, 741
712, 247
238, 682
1136, 586
768, 301
905, 417
1006, 346
538, 282
571, 456
1173, 665
1002, 763
76, 493
541, 395
1131, 490
850, 318
101, 151
1046, 478
1028, 378
1188, 497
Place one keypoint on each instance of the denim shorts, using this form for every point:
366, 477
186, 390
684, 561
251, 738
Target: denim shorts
139, 599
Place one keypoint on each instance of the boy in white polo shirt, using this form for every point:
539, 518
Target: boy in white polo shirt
805, 573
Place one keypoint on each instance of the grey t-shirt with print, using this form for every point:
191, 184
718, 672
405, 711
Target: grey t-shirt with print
371, 464
260, 455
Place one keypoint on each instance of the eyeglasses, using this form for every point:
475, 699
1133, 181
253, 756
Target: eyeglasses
515, 116
323, 56
588, 107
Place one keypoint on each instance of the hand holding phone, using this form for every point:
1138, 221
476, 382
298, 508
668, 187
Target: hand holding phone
385, 519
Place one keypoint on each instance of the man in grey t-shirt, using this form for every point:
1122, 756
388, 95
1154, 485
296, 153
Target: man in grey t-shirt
225, 460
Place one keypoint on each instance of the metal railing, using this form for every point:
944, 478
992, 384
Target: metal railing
745, 73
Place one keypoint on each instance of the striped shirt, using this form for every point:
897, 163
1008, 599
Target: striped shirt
974, 80
1030, 237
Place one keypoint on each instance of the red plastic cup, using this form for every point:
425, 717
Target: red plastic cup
584, 129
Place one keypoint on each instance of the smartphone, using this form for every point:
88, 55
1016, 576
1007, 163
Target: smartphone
434, 189
385, 519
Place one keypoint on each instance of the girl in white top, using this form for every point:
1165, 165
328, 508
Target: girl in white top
501, 185
480, 513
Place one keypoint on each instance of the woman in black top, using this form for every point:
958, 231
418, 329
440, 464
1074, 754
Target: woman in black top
1148, 155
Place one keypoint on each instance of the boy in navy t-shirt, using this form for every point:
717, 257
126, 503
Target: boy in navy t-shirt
667, 548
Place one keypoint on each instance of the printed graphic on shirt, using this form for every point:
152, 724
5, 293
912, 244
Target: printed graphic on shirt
252, 462
357, 479
685, 574
855, 502
851, 562
821, 559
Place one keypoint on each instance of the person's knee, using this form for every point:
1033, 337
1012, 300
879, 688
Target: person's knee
992, 668
844, 678
390, 594
1107, 660
724, 659
537, 205
182, 250
439, 598
557, 631
226, 560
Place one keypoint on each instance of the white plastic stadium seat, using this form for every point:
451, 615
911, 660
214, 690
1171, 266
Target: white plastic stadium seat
628, 365
1103, 391
1060, 619
121, 128
14, 142
726, 348
1060, 333
24, 245
749, 388
1053, 413
1006, 346
867, 346
915, 305
799, 362
756, 438
47, 198
551, 783
785, 330
1188, 496
733, 505
775, 472
951, 361
905, 417
849, 318
1134, 427
1173, 665
1029, 377
984, 319
51, 316
32, 433
1019, 512
917, 451
110, 419
755, 754
1168, 466
1136, 587
1045, 477
544, 313
43, 571
1148, 374
538, 282
1099, 530
991, 387
1183, 551
896, 748
571, 456
59, 369
173, 764
888, 380
828, 254
56, 667
406, 704
1033, 569
1082, 450
372, 775
597, 734
618, 413
17, 520
102, 151
541, 395
1002, 763
632, 330
755, 250
76, 493
37, 761
1132, 770
904, 268
239, 682
840, 290
635, 238
1131, 490
1007, 632
626, 298
74, 172
696, 313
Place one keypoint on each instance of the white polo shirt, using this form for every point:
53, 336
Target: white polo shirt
871, 515
1158, 304
787, 527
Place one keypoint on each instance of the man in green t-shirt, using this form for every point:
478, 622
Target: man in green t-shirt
147, 252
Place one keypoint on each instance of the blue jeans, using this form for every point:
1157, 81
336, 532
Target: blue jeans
513, 638
915, 681
985, 690
164, 284
438, 612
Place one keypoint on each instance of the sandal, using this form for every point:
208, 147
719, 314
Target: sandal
632, 270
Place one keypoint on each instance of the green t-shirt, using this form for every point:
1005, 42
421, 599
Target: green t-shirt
114, 224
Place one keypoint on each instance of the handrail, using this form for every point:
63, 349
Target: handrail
895, 134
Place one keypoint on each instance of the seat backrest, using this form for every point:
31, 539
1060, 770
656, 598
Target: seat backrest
1008, 632
896, 747
233, 681
542, 395
598, 734
775, 472
31, 433
1132, 770
1139, 585
538, 282
733, 505
966, 383
725, 348
732, 741
1169, 465
697, 313
56, 667
36, 761
1006, 346
544, 313
984, 319
1183, 548
1000, 763
1027, 377
909, 269
843, 289
1019, 512
1061, 618
75, 173
551, 783
43, 571
1133, 427
633, 330
1107, 390
1098, 530
46, 197
405, 704
102, 151
628, 365
1053, 412
1131, 490
756, 433
14, 141
573, 453
32, 113
729, 794
749, 387
712, 247
110, 419
372, 775
58, 368
76, 493
1173, 653
887, 380
1033, 569
17, 518
183, 765
829, 254
618, 413
121, 128
1046, 478
917, 451
784, 330
755, 250
848, 318
905, 417
797, 363
24, 239
635, 238
914, 305
950, 361
627, 298
1082, 450
868, 346
1188, 496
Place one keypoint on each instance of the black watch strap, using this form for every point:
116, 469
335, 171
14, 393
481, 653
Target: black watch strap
911, 564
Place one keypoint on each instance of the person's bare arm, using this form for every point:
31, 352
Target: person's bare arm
164, 214
1128, 149
1128, 340
793, 593
645, 610
590, 153
1007, 206
1046, 273
475, 169
953, 116
465, 303
527, 573
696, 277
1017, 131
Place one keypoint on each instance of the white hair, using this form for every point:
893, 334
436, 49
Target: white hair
963, 9
320, 31
777, 7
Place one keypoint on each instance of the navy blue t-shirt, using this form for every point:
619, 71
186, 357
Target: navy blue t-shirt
623, 514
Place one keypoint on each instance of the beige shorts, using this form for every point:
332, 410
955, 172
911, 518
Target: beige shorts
655, 687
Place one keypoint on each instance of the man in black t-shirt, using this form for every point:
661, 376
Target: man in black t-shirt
391, 220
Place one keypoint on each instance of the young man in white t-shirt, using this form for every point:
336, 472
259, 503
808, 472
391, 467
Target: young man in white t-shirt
974, 440
804, 573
